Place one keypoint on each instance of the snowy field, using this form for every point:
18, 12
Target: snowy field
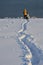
21, 41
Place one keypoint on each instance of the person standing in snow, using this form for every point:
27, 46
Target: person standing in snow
26, 15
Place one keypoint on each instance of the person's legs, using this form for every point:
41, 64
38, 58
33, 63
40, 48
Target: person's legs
25, 17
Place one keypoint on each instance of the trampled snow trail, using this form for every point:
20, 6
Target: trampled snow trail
33, 55
29, 55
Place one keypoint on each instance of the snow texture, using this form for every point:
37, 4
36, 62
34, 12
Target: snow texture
21, 41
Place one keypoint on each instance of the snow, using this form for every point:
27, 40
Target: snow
9, 48
35, 28
21, 38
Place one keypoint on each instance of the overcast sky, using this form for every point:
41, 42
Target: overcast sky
15, 7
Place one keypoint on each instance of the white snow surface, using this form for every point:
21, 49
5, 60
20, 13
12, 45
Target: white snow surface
9, 48
12, 30
35, 28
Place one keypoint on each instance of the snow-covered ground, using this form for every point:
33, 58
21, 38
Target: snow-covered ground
21, 41
9, 48
35, 28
